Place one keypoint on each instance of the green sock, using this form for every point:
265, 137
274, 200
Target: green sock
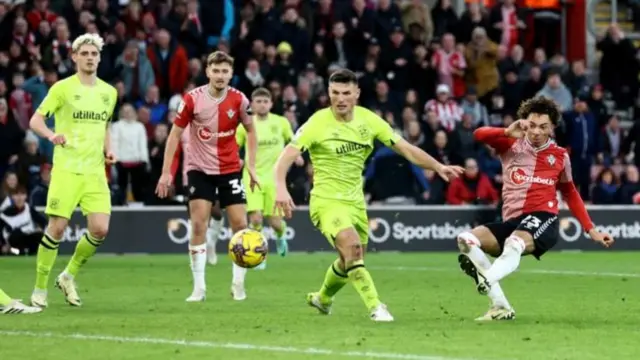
86, 248
280, 232
362, 281
334, 280
47, 253
4, 298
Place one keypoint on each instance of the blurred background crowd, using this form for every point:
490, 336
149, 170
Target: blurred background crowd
432, 70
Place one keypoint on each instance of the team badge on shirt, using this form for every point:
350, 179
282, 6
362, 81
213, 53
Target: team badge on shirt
551, 160
105, 99
363, 130
180, 106
274, 128
230, 113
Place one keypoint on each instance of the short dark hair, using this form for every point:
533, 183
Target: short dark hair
220, 57
261, 92
343, 76
541, 106
20, 189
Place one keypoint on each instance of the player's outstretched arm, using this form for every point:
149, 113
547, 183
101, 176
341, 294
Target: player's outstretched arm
498, 138
166, 179
419, 157
284, 203
575, 204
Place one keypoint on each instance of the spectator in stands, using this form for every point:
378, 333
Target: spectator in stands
135, 71
481, 55
534, 84
187, 27
445, 19
170, 63
472, 188
462, 138
11, 136
156, 158
581, 138
20, 102
9, 184
605, 191
610, 143
29, 162
629, 192
441, 150
58, 54
21, 226
618, 66
515, 62
152, 101
417, 13
38, 196
557, 91
472, 106
251, 78
506, 24
576, 79
129, 144
513, 91
491, 165
632, 141
446, 109
450, 65
596, 104
474, 16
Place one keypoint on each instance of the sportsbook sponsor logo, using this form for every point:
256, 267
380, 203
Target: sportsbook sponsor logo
519, 177
571, 230
381, 230
205, 134
179, 230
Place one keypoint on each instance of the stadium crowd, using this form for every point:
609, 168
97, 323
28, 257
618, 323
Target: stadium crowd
433, 75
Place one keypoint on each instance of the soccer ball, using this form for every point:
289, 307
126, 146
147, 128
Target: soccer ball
248, 248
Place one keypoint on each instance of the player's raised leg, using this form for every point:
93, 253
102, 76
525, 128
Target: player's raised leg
213, 233
237, 215
518, 243
199, 213
474, 247
11, 306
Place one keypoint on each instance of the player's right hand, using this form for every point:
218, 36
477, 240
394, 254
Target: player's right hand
518, 129
164, 186
57, 139
284, 204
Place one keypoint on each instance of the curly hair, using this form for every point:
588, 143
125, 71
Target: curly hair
540, 106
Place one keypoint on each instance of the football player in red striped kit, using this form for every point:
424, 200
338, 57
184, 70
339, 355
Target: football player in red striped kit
534, 168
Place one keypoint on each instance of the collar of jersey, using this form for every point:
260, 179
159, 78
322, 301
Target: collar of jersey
219, 99
540, 148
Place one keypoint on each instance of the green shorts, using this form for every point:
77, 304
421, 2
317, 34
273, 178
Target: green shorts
263, 199
332, 216
68, 190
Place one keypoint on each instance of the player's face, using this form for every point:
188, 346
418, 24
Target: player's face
87, 59
540, 129
261, 105
219, 75
343, 97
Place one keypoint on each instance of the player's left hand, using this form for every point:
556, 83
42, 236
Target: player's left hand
603, 239
110, 158
449, 173
253, 179
284, 204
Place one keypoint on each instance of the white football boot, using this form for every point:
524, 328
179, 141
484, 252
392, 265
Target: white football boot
39, 298
381, 314
16, 307
313, 299
237, 291
68, 287
197, 295
475, 272
496, 313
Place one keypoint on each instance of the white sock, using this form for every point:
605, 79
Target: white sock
496, 294
238, 274
214, 231
198, 256
478, 256
508, 262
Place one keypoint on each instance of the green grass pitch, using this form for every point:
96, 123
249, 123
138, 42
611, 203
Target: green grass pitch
569, 306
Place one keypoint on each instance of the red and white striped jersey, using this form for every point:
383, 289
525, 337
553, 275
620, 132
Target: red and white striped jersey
449, 113
531, 176
212, 146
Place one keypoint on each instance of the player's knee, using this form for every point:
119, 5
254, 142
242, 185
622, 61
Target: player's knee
515, 243
56, 227
351, 253
199, 227
255, 218
466, 240
237, 224
99, 231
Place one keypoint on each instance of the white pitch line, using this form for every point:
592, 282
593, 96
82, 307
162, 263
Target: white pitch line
234, 346
532, 271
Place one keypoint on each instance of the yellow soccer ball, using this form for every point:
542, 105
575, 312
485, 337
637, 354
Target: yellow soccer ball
248, 248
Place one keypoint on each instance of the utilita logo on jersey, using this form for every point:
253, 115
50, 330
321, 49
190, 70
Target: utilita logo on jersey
205, 134
519, 177
380, 230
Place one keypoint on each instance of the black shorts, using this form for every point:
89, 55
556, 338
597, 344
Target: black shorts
542, 226
226, 188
